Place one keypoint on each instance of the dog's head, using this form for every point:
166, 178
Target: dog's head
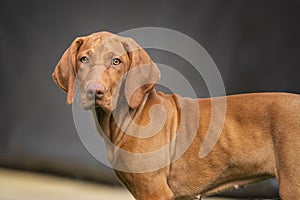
109, 67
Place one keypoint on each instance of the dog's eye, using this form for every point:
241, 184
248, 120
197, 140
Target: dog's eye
116, 61
84, 59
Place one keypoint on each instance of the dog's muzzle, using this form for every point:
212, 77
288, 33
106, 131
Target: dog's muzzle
94, 95
95, 91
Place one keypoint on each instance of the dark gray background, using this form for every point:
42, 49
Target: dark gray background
254, 43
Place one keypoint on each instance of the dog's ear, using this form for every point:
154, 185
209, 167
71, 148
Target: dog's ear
65, 73
142, 75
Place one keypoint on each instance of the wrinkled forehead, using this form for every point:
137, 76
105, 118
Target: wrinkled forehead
99, 44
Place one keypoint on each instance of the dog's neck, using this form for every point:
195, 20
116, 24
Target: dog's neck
114, 124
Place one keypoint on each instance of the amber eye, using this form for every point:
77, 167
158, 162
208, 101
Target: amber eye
84, 59
116, 61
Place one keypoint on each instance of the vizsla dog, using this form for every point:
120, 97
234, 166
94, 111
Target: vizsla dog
259, 139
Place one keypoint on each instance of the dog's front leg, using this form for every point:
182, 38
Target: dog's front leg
153, 191
147, 186
162, 194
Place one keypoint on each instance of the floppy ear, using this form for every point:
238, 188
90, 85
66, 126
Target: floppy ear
142, 75
65, 73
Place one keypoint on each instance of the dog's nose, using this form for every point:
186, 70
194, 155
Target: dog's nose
95, 90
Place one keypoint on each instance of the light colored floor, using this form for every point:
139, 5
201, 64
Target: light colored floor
20, 185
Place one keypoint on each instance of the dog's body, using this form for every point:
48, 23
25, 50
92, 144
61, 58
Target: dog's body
260, 137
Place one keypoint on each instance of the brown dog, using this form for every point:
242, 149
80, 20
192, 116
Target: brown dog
260, 137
